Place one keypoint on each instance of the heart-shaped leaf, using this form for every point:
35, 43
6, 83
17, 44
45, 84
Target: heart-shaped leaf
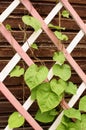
74, 126
35, 75
34, 46
8, 27
17, 72
45, 117
65, 120
63, 71
83, 122
47, 100
65, 13
71, 88
82, 104
72, 113
61, 36
61, 127
58, 86
33, 93
31, 21
15, 120
59, 57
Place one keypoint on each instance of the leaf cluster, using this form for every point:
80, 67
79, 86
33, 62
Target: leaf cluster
58, 29
47, 94
74, 119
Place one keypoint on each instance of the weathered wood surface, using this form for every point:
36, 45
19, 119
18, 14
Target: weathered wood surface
45, 52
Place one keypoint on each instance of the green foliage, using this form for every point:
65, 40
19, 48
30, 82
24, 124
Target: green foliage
34, 46
33, 93
47, 100
62, 71
46, 117
70, 126
35, 75
56, 27
83, 122
61, 127
61, 36
58, 86
71, 88
72, 113
78, 124
31, 21
15, 120
17, 71
67, 124
8, 27
73, 126
65, 120
59, 57
82, 104
49, 94
65, 14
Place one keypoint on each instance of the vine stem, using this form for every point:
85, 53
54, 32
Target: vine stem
54, 39
65, 106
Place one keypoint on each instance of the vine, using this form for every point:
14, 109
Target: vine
67, 122
49, 94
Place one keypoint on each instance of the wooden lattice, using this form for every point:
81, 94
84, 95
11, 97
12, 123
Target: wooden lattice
21, 53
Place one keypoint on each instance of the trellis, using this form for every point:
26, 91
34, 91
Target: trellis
21, 53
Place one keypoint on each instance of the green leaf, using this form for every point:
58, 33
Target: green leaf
15, 120
71, 88
58, 35
53, 112
33, 93
31, 21
47, 100
59, 57
34, 46
45, 117
61, 127
35, 75
58, 86
65, 121
82, 104
63, 71
72, 113
64, 37
61, 36
83, 122
8, 27
65, 14
17, 72
56, 27
74, 126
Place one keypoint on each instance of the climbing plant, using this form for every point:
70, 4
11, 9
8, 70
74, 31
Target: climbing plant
74, 119
48, 94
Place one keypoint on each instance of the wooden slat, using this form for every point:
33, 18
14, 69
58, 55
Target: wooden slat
42, 52
71, 1
69, 24
20, 10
